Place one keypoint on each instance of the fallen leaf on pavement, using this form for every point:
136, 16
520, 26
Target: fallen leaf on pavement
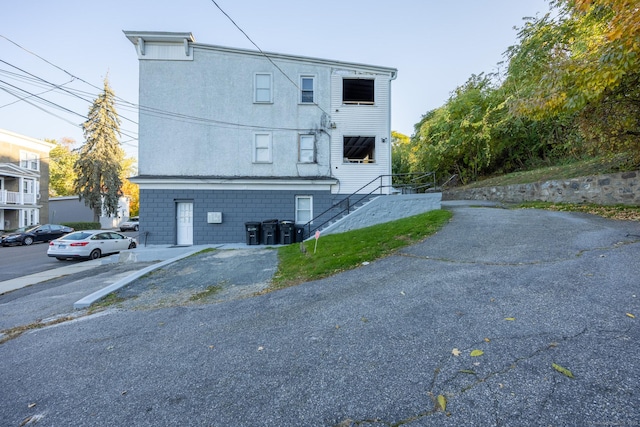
511, 319
476, 353
442, 403
563, 371
31, 405
456, 352
631, 315
487, 340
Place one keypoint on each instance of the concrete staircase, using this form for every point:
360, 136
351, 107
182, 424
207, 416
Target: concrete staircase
382, 209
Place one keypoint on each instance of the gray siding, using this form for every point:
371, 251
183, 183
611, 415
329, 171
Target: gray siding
158, 214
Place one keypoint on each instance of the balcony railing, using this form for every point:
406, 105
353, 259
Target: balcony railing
15, 198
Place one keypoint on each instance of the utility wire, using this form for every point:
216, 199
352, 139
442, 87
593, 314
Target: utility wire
262, 52
53, 85
163, 113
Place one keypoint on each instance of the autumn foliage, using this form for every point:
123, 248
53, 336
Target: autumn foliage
571, 88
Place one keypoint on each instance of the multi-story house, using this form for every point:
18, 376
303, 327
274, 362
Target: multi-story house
24, 180
229, 136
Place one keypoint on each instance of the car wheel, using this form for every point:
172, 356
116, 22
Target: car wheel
95, 254
132, 245
27, 240
135, 228
122, 229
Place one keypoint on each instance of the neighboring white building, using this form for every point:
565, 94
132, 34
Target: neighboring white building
24, 180
229, 136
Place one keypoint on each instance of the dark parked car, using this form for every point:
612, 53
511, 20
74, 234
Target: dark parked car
34, 233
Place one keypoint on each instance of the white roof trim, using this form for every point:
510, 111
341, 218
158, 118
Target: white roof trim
166, 37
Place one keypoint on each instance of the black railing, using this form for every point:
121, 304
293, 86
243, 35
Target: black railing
405, 183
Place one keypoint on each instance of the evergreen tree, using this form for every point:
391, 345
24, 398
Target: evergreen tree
99, 165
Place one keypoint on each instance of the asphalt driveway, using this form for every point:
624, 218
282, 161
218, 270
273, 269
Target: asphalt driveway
376, 346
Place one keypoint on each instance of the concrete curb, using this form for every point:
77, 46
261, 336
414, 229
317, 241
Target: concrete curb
92, 298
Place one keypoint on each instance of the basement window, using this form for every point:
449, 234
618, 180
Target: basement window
358, 91
359, 149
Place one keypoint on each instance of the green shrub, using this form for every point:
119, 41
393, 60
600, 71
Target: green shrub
83, 225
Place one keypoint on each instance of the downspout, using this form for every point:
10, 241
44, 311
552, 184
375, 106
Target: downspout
394, 75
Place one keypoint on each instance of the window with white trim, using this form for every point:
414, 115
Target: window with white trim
307, 89
304, 209
262, 148
29, 160
307, 149
262, 83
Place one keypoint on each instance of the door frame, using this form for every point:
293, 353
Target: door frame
184, 231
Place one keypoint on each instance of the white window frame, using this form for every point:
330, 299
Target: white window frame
306, 153
29, 160
313, 89
259, 89
262, 143
298, 219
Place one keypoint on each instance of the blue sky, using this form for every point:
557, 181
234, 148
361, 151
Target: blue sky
435, 45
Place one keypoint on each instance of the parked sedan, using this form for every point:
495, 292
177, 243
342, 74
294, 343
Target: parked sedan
89, 244
132, 224
34, 233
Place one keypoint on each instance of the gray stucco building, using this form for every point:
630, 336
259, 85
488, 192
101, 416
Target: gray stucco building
228, 136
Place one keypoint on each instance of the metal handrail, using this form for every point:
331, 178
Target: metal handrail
415, 184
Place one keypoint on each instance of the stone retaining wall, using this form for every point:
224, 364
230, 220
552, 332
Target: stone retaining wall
612, 189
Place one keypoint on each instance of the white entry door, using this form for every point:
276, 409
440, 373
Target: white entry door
185, 223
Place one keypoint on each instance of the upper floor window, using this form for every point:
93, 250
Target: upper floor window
307, 90
29, 160
262, 148
262, 86
358, 91
307, 149
359, 149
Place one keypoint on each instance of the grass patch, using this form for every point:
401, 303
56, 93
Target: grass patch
209, 291
204, 251
619, 212
576, 169
344, 251
110, 299
9, 334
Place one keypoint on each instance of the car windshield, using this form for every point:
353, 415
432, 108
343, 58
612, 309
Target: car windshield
78, 235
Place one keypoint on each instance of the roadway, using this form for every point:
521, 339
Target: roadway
18, 261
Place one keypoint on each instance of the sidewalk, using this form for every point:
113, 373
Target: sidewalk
163, 254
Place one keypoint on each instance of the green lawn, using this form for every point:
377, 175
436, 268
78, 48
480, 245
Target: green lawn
302, 262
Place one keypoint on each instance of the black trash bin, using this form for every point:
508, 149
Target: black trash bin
253, 233
299, 233
270, 232
287, 232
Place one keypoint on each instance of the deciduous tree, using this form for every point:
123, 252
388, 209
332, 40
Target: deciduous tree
62, 174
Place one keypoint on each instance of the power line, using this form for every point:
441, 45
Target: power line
263, 53
155, 111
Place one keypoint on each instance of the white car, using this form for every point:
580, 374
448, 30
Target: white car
90, 244
132, 224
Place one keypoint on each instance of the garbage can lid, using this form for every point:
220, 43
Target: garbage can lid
270, 221
286, 221
253, 223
